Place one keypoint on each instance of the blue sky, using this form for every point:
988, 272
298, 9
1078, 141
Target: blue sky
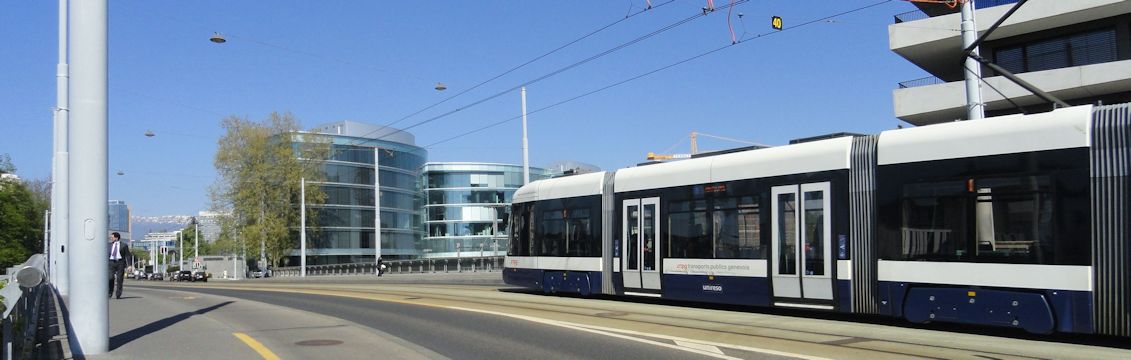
377, 61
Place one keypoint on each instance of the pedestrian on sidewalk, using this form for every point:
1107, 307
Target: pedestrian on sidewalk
119, 256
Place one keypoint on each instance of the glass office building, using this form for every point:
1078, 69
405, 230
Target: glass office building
346, 219
467, 204
119, 214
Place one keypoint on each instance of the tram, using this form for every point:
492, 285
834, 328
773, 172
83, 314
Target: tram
1017, 221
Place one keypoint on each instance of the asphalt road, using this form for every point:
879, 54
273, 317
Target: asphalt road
461, 334
471, 321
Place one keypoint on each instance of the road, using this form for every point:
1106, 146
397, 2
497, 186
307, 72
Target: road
489, 322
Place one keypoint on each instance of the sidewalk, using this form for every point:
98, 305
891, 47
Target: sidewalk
169, 324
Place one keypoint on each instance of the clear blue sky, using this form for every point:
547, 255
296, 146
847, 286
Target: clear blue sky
377, 61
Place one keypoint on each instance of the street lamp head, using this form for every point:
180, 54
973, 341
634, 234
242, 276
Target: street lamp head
217, 38
441, 87
149, 133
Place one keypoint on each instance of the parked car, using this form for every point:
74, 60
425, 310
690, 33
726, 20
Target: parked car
156, 276
200, 276
183, 275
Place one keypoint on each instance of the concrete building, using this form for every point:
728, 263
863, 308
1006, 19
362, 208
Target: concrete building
346, 220
119, 214
467, 205
1079, 51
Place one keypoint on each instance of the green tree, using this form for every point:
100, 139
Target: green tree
6, 166
189, 234
21, 218
260, 165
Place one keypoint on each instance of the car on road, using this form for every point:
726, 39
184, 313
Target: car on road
156, 276
200, 276
183, 275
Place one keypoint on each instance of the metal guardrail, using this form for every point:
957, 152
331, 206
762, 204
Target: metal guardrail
23, 291
930, 80
414, 266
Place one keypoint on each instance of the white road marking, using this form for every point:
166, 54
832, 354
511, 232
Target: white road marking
699, 346
624, 334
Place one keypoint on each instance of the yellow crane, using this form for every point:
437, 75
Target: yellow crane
695, 147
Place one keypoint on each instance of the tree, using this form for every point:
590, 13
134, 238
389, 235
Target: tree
21, 219
260, 165
189, 235
6, 166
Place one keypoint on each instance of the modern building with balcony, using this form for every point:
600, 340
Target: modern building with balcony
346, 220
467, 206
1078, 51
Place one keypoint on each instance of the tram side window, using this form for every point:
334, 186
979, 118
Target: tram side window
552, 233
578, 235
689, 232
1005, 220
1014, 220
934, 221
731, 230
520, 236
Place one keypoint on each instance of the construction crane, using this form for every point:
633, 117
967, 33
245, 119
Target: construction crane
695, 147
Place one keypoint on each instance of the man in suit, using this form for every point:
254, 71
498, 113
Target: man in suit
119, 257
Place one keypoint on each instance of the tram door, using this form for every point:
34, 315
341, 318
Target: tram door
802, 227
640, 241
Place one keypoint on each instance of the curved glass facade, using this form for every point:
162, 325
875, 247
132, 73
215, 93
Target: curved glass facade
467, 204
346, 219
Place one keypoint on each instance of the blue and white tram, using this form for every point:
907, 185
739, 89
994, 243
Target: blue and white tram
1016, 221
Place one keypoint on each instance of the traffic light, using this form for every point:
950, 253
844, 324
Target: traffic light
775, 22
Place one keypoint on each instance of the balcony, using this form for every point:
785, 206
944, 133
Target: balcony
935, 43
922, 103
942, 9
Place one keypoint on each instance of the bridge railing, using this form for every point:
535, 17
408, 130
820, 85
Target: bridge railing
410, 266
23, 292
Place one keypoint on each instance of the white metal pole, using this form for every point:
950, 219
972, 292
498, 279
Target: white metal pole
975, 109
195, 241
376, 209
302, 230
46, 233
525, 147
89, 310
60, 209
180, 251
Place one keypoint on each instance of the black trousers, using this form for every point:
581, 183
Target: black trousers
117, 275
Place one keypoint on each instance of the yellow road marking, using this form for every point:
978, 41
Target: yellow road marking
257, 346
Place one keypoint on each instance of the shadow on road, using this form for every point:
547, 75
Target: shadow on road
124, 338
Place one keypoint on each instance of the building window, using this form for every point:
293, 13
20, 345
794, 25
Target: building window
1092, 47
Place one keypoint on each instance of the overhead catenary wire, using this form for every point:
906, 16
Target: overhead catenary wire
528, 62
568, 67
677, 63
1015, 105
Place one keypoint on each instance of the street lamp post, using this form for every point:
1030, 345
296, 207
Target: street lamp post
302, 230
180, 250
195, 241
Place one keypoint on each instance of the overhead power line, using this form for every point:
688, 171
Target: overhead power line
677, 63
558, 71
528, 62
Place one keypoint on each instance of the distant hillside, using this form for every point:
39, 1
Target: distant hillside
147, 224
